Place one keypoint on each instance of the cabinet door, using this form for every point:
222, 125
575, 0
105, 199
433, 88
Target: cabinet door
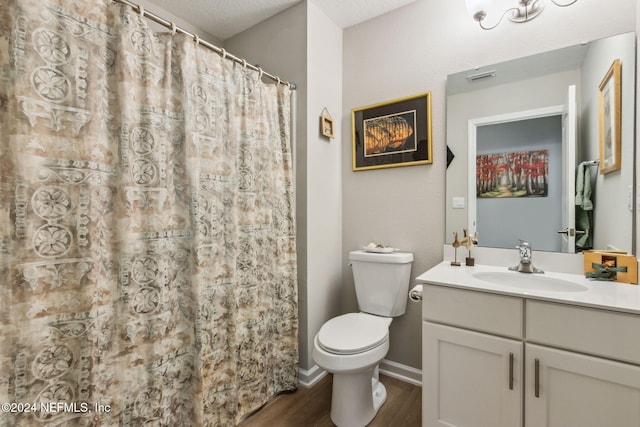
574, 390
470, 379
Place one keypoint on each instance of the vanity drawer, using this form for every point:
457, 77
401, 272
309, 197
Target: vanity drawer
594, 331
479, 311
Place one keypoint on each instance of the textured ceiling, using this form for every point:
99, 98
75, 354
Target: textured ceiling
226, 18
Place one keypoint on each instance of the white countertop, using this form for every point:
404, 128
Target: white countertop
599, 294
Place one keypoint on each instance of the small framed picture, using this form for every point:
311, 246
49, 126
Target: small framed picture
326, 126
610, 119
391, 134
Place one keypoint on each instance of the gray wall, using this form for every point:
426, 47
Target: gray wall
612, 193
534, 219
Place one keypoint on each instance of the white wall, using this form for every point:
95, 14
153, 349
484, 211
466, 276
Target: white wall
411, 50
324, 178
637, 134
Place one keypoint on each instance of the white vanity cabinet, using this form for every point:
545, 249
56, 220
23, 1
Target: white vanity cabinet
472, 358
573, 389
581, 366
501, 360
470, 379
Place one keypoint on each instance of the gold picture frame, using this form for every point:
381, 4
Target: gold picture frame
392, 134
610, 107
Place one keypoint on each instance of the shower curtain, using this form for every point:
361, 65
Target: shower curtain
147, 231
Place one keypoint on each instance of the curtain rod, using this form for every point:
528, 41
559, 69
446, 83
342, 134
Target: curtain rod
170, 25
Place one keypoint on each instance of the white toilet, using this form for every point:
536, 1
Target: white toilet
352, 345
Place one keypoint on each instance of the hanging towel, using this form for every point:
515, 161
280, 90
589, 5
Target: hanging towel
584, 208
584, 221
583, 187
587, 204
580, 184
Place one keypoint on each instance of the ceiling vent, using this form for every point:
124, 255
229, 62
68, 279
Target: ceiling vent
481, 76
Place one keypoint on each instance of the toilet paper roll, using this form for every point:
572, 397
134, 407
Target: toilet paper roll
415, 294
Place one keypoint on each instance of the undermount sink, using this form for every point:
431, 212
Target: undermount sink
526, 281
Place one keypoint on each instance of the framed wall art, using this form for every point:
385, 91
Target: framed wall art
517, 174
326, 124
610, 119
391, 134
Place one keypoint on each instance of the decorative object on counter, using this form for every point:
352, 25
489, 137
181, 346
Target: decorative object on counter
379, 248
610, 106
456, 245
470, 241
611, 266
606, 271
326, 124
391, 134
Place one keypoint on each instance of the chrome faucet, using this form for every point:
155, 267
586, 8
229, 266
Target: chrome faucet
525, 266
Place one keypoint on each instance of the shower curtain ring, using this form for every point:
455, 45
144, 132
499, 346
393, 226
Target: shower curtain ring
223, 54
196, 39
173, 29
244, 64
141, 11
260, 72
278, 79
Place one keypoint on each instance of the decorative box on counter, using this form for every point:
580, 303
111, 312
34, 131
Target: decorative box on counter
611, 265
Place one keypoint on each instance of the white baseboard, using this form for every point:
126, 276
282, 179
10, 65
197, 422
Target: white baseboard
408, 374
309, 378
402, 372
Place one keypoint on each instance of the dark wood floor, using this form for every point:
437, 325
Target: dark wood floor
309, 407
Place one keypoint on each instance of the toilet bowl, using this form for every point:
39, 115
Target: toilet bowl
351, 347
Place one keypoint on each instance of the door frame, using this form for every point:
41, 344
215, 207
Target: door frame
473, 124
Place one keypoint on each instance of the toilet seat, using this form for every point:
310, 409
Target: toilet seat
353, 333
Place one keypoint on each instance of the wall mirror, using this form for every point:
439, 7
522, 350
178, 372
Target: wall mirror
513, 171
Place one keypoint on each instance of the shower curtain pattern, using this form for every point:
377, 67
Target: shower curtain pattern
147, 234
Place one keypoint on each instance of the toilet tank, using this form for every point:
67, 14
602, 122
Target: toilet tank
381, 281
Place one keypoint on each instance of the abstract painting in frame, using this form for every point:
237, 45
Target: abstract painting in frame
391, 134
610, 119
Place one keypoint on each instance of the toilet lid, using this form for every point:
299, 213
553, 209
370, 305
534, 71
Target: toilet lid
353, 333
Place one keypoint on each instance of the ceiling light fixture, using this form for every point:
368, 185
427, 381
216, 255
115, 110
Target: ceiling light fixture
526, 10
